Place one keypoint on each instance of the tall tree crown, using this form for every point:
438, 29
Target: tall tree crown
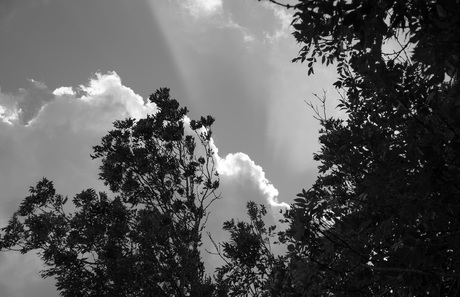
143, 242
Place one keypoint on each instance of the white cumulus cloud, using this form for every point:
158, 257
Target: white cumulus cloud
9, 115
56, 142
62, 91
241, 165
9, 110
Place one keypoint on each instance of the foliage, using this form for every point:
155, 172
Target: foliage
382, 217
143, 242
251, 267
354, 34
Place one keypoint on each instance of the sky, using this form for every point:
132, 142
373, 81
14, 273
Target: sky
68, 69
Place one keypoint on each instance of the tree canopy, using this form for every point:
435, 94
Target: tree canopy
381, 219
144, 241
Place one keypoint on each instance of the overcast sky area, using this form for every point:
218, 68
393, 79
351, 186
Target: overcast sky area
68, 69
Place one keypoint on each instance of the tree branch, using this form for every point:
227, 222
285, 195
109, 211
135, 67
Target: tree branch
410, 270
287, 6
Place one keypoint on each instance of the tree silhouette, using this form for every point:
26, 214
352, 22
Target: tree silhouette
382, 217
143, 242
251, 267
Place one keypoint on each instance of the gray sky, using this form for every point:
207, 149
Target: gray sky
69, 68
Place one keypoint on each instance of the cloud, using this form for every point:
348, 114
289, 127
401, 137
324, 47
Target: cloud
9, 111
237, 167
8, 115
241, 180
56, 140
62, 91
240, 165
284, 18
38, 84
55, 136
25, 104
263, 22
203, 8
87, 114
32, 99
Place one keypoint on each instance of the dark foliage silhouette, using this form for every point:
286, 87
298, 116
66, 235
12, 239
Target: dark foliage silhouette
143, 242
382, 217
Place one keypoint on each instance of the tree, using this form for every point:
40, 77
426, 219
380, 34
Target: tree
382, 217
251, 267
143, 242
354, 33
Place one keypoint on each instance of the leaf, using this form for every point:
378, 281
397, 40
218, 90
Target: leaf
441, 11
349, 18
304, 194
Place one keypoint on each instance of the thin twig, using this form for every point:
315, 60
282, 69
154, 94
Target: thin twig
287, 6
